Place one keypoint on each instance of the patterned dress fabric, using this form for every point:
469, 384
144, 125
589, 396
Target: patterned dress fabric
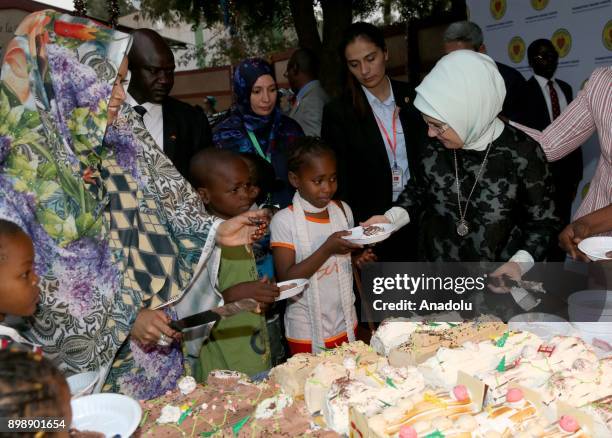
115, 227
275, 132
510, 209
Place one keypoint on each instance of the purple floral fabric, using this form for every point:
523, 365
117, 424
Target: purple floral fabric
67, 180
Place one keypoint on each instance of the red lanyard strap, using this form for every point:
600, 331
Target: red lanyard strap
392, 145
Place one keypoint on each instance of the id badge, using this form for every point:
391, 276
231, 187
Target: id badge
397, 179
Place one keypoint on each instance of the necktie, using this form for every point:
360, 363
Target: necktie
554, 101
141, 110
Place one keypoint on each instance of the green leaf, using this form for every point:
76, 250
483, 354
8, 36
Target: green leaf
389, 382
209, 433
84, 222
69, 230
51, 222
68, 182
14, 116
20, 167
31, 118
435, 434
5, 106
501, 366
47, 171
502, 340
29, 136
45, 189
183, 416
236, 428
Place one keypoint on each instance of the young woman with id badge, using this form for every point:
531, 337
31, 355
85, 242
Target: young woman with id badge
375, 132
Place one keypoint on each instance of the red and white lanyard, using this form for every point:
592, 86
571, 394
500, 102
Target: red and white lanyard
392, 144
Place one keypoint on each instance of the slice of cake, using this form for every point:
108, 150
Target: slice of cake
535, 366
426, 339
319, 382
280, 416
441, 369
292, 375
418, 415
227, 400
369, 393
393, 332
601, 410
583, 383
347, 391
520, 417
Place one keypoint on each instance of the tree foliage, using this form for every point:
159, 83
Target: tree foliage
261, 27
98, 9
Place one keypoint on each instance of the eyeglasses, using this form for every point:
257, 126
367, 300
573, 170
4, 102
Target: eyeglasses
437, 129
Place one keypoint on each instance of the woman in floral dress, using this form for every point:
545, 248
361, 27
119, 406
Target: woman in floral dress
118, 233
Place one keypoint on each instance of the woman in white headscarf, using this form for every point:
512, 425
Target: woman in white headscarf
482, 192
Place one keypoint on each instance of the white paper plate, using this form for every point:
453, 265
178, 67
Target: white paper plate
359, 238
82, 383
110, 414
300, 284
589, 331
596, 247
545, 325
591, 301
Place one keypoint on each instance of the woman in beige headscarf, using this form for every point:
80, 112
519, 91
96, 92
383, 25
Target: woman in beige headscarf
482, 192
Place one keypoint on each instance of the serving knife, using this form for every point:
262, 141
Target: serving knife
213, 315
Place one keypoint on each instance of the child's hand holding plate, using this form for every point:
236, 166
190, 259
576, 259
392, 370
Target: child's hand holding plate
367, 235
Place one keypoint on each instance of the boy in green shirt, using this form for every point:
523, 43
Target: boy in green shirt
241, 342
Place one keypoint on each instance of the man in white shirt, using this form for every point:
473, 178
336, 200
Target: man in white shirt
545, 98
178, 128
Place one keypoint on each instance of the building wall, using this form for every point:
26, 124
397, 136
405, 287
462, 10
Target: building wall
191, 86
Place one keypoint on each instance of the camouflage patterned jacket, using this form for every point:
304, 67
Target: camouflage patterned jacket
511, 207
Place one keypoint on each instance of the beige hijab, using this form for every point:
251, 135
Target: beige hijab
466, 91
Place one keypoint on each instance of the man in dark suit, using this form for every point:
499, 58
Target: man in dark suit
467, 35
545, 98
178, 128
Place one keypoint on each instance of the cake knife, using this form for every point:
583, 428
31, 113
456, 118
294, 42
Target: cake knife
213, 315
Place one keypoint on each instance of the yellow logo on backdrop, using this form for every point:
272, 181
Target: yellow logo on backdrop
498, 8
516, 49
562, 40
607, 35
538, 5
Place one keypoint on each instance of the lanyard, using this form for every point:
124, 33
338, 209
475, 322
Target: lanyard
392, 145
257, 147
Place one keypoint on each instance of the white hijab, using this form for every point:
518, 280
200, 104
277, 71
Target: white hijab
465, 91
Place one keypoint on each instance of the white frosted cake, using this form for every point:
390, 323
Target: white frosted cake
293, 374
535, 366
393, 332
441, 369
369, 393
425, 341
418, 415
